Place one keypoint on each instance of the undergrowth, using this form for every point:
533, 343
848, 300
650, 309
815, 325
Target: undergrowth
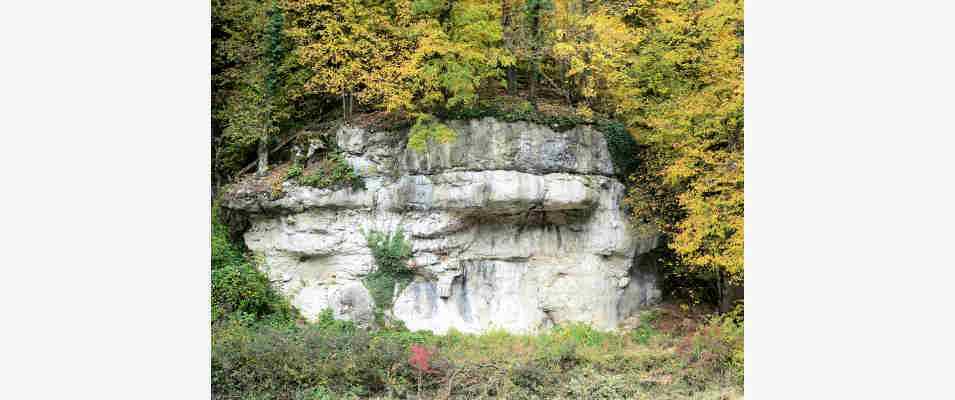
239, 291
261, 349
569, 361
330, 172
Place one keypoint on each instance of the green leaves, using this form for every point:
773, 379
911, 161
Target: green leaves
427, 129
238, 289
293, 172
331, 172
669, 71
252, 69
428, 7
391, 252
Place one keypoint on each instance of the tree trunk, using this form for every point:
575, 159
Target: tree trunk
263, 165
346, 106
720, 292
729, 293
569, 89
215, 162
509, 45
511, 80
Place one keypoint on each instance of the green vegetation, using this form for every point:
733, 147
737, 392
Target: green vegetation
661, 79
391, 252
690, 65
331, 172
427, 128
262, 350
336, 359
239, 291
294, 171
253, 83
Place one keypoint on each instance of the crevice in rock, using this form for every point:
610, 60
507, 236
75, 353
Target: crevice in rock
544, 173
522, 235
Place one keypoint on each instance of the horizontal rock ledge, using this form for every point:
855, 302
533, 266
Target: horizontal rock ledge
512, 226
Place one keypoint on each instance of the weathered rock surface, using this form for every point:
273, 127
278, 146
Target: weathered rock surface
513, 226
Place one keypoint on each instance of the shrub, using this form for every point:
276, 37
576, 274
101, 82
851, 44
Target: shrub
294, 171
391, 253
420, 358
646, 331
558, 352
715, 350
531, 376
622, 146
333, 172
276, 191
583, 334
428, 128
224, 252
238, 289
591, 384
328, 323
334, 359
390, 250
286, 360
316, 393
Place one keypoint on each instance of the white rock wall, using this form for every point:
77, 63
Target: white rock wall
513, 226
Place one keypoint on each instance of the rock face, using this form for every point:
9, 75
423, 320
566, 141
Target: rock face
513, 226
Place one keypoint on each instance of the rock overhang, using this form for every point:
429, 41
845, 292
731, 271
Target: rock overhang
514, 226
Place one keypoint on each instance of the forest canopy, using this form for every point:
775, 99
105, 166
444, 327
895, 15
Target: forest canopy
669, 71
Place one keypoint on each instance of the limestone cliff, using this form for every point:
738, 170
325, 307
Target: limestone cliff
513, 226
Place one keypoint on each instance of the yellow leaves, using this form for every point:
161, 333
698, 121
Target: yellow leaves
576, 66
350, 46
584, 112
588, 89
674, 76
451, 57
595, 49
564, 50
506, 59
711, 234
691, 60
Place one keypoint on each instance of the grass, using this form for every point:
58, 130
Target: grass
332, 358
262, 350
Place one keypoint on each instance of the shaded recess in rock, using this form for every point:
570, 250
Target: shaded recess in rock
513, 226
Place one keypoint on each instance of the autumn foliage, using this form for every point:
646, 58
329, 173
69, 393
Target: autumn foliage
420, 358
671, 71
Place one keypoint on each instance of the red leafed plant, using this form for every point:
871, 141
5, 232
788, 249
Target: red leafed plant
420, 358
421, 361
